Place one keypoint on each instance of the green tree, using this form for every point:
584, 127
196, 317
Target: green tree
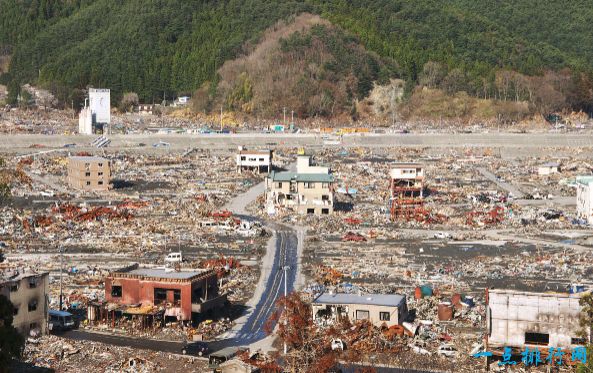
11, 342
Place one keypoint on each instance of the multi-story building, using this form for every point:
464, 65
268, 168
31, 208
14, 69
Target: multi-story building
518, 318
94, 117
89, 173
585, 198
259, 161
379, 309
184, 294
28, 294
406, 189
310, 190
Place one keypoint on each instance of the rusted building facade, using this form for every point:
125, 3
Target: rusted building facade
182, 294
406, 189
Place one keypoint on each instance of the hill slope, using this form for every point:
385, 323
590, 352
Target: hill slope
174, 46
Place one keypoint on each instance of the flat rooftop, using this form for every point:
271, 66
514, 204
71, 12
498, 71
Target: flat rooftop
88, 159
585, 180
162, 273
290, 176
390, 300
407, 164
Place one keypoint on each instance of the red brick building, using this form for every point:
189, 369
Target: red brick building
183, 294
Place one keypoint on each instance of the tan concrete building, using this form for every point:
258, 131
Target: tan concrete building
520, 318
379, 309
310, 190
28, 294
89, 173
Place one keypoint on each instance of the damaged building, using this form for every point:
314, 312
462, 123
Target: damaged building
519, 318
28, 294
89, 173
406, 189
585, 198
183, 294
309, 190
379, 309
258, 161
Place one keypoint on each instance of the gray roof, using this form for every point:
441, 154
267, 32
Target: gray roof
88, 159
550, 164
161, 273
289, 176
392, 300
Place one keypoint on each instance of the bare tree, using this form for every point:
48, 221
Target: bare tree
128, 101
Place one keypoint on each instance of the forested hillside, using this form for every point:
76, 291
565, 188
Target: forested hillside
155, 47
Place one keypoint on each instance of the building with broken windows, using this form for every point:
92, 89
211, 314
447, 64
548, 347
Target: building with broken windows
89, 173
406, 189
309, 190
379, 309
183, 294
518, 319
259, 161
585, 198
28, 294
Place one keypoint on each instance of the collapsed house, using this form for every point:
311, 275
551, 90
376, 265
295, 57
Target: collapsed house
89, 173
183, 294
259, 161
585, 198
309, 190
518, 319
28, 294
406, 189
379, 309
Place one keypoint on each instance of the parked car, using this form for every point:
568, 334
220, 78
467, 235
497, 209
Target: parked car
195, 348
174, 258
338, 344
447, 350
442, 235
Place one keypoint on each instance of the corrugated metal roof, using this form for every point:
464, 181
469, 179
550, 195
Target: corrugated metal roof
392, 300
289, 176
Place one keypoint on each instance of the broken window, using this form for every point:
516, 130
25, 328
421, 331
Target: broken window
116, 291
33, 305
177, 295
100, 174
325, 211
384, 316
243, 158
537, 338
100, 182
325, 197
15, 310
88, 183
87, 174
310, 211
197, 294
362, 315
32, 283
578, 341
160, 295
14, 287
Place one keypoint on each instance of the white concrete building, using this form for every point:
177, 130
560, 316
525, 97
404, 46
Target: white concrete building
518, 319
94, 117
259, 161
548, 169
585, 198
379, 309
305, 166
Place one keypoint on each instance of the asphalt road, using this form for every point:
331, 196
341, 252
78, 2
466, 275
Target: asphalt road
115, 340
253, 329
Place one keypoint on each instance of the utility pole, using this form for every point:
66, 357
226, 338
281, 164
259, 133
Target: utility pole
284, 110
220, 118
285, 268
61, 270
